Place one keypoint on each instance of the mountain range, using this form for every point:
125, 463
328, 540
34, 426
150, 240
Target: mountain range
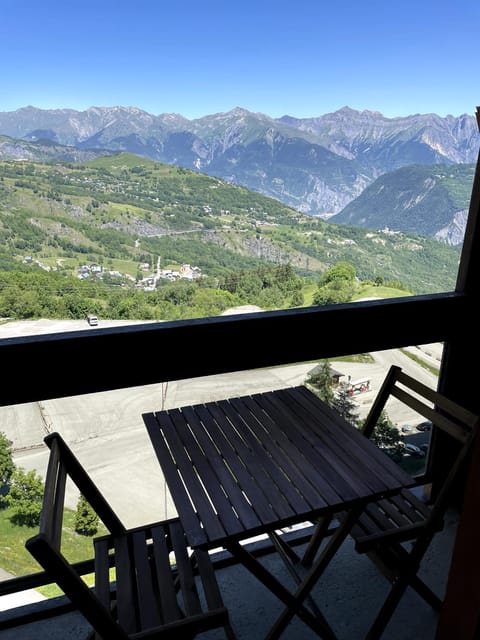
317, 165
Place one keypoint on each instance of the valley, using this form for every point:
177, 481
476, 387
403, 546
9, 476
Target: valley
124, 211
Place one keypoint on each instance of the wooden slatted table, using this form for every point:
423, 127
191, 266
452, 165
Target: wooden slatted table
252, 465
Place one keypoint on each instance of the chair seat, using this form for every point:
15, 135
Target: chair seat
157, 581
383, 527
160, 588
395, 519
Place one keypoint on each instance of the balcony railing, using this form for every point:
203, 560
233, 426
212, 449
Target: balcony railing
349, 593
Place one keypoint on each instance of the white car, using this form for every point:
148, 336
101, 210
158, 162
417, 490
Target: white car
92, 320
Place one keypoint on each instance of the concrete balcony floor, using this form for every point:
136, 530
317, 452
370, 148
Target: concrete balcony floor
349, 594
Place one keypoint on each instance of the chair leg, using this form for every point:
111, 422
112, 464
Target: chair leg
383, 617
407, 577
229, 632
426, 593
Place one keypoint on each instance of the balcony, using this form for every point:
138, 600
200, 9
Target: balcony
349, 593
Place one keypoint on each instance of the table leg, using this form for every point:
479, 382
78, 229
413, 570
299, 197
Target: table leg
319, 625
315, 572
295, 566
321, 531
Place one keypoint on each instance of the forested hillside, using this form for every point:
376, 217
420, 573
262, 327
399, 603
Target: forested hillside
432, 200
126, 224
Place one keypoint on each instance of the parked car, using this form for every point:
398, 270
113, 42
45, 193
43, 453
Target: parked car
413, 450
424, 426
406, 428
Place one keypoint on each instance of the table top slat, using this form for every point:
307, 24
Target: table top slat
248, 465
212, 439
379, 462
288, 461
343, 455
327, 468
291, 455
195, 532
197, 493
285, 500
208, 464
249, 470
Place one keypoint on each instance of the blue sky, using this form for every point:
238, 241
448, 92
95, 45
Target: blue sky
303, 57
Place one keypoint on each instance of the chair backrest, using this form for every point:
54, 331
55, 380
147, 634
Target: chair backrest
62, 463
151, 598
45, 546
444, 414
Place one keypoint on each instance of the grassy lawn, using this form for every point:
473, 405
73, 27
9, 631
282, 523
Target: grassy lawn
413, 466
308, 293
123, 266
15, 559
371, 291
365, 358
434, 370
364, 291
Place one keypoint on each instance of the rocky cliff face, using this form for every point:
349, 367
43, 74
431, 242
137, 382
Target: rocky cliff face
44, 150
390, 143
454, 232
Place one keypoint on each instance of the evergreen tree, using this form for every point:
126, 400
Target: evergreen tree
385, 435
86, 520
344, 404
322, 381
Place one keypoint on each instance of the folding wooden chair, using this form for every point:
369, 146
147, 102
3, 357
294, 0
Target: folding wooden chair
159, 591
383, 529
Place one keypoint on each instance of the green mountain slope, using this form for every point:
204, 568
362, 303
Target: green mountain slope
415, 199
121, 211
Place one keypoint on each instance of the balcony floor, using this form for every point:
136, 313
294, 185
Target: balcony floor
349, 593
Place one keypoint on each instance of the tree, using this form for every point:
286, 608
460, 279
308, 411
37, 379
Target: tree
341, 272
337, 285
7, 466
86, 520
322, 380
25, 497
297, 299
333, 293
344, 404
385, 435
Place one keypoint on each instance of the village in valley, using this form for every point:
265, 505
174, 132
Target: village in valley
147, 282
